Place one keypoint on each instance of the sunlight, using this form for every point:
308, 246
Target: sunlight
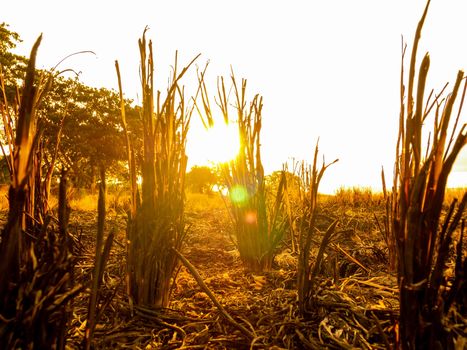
218, 144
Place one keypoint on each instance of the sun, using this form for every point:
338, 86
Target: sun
218, 144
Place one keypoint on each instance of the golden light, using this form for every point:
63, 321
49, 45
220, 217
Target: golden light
218, 144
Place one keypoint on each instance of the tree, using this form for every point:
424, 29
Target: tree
12, 66
91, 134
294, 182
201, 179
82, 120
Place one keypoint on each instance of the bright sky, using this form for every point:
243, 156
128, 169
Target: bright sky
327, 69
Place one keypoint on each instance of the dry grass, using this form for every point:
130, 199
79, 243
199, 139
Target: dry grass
358, 197
4, 198
117, 201
329, 290
452, 194
84, 202
197, 202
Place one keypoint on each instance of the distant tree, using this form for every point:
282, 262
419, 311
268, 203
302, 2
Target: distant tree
91, 133
89, 119
294, 183
201, 179
13, 66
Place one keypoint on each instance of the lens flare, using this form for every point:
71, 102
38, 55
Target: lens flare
238, 195
251, 218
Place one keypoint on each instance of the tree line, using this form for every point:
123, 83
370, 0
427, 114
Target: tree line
82, 121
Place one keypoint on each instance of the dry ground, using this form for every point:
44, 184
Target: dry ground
355, 304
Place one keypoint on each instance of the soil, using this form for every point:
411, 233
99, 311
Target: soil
355, 303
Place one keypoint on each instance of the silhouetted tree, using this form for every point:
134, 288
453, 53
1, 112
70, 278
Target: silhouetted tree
91, 133
201, 179
13, 66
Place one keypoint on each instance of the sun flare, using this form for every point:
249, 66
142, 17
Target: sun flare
218, 144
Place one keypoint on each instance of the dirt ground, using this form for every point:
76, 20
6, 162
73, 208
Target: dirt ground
355, 303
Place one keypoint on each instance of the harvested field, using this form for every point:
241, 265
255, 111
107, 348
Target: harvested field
183, 219
358, 309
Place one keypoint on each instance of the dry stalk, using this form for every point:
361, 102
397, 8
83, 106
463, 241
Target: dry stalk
258, 229
211, 296
100, 259
311, 178
36, 270
421, 237
157, 225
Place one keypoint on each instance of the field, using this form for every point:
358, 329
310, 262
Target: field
355, 303
356, 300
356, 297
110, 240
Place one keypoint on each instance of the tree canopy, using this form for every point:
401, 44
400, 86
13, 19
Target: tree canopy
91, 129
201, 179
12, 65
84, 121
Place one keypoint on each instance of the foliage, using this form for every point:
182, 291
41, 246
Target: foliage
4, 171
273, 181
91, 131
88, 119
13, 66
201, 179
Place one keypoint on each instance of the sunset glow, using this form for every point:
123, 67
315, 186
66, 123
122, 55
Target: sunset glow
258, 174
218, 144
357, 44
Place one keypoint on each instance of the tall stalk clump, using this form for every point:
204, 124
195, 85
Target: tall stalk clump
258, 228
423, 234
36, 263
157, 225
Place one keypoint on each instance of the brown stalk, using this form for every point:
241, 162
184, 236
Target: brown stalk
249, 335
417, 206
98, 266
158, 223
36, 274
130, 151
305, 277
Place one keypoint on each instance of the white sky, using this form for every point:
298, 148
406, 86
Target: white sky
327, 69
